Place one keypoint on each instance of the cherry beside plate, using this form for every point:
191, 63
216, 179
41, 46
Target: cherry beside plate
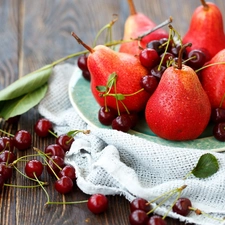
85, 105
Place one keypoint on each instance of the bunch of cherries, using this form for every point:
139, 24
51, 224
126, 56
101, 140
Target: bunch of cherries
141, 211
53, 161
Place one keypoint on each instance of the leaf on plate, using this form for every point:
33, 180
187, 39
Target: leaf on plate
26, 84
207, 165
22, 104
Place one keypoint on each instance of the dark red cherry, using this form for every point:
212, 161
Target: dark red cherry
6, 170
13, 120
157, 71
218, 115
82, 62
68, 171
197, 58
97, 203
138, 217
42, 127
166, 58
106, 115
156, 220
140, 203
182, 206
149, 83
122, 123
87, 75
6, 143
64, 185
7, 156
55, 150
32, 167
65, 141
149, 57
156, 45
55, 163
22, 140
219, 131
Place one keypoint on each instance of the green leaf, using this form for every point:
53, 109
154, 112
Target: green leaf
119, 97
111, 79
26, 84
101, 88
22, 104
207, 165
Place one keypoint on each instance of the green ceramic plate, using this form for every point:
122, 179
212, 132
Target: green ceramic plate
83, 101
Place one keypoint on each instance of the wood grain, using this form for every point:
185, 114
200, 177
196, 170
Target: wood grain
35, 33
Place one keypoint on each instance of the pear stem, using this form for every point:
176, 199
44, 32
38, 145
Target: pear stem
179, 62
91, 50
205, 5
132, 7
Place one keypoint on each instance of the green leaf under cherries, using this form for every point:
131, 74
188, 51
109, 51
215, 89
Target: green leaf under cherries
207, 165
21, 104
26, 84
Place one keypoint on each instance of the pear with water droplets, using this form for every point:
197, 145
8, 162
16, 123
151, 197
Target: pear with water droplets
179, 109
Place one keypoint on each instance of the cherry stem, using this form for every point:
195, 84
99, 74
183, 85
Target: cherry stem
91, 50
180, 55
24, 186
205, 5
66, 203
4, 132
208, 65
166, 22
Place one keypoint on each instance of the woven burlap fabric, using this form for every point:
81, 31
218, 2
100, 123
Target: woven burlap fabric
112, 162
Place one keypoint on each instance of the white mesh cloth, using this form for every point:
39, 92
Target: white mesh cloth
112, 162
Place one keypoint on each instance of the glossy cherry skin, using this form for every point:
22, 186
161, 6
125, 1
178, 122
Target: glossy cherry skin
156, 220
55, 150
64, 185
6, 143
97, 203
149, 83
218, 115
64, 141
138, 217
22, 140
82, 62
106, 115
149, 57
122, 123
5, 171
157, 71
219, 131
55, 163
140, 203
157, 46
182, 206
7, 156
42, 127
34, 167
197, 58
68, 171
87, 75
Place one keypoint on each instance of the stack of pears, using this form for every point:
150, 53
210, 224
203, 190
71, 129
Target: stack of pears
180, 107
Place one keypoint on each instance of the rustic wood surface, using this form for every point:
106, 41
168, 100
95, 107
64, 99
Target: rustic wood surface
35, 33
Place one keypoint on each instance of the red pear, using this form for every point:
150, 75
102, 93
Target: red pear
179, 109
102, 62
213, 79
136, 25
206, 29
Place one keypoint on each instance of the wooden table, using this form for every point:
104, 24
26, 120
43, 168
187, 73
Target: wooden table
35, 33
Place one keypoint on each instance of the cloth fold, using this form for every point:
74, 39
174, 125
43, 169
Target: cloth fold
116, 163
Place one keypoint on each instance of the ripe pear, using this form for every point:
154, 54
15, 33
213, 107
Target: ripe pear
102, 62
206, 29
213, 79
179, 109
135, 25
